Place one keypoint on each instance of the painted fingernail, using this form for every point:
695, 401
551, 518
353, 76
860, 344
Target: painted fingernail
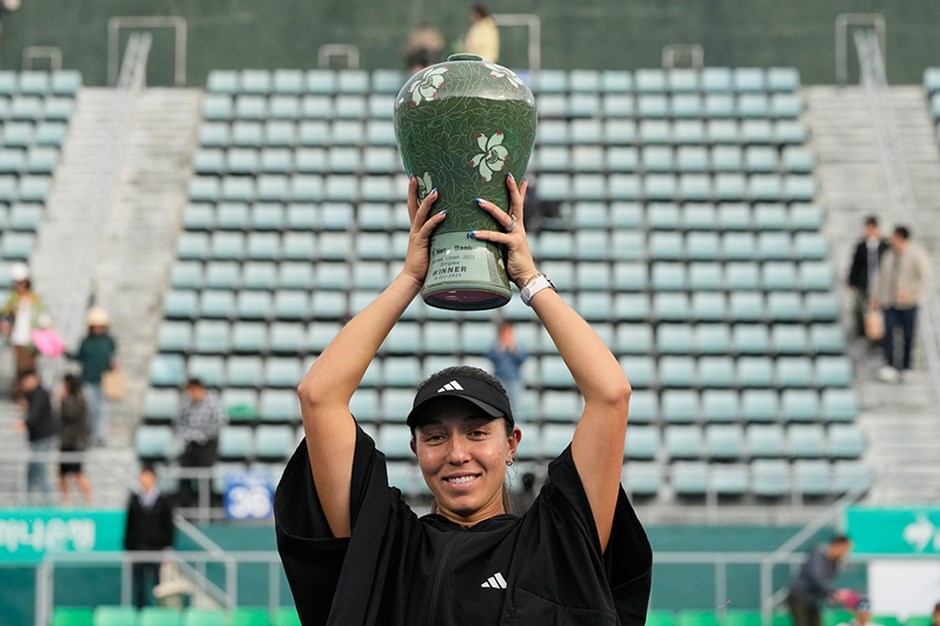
510, 175
434, 191
479, 200
443, 213
472, 234
410, 175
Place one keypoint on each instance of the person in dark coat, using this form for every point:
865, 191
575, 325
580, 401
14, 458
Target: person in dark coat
813, 584
865, 263
39, 425
149, 528
74, 435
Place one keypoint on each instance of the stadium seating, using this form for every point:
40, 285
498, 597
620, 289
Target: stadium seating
687, 235
153, 616
35, 108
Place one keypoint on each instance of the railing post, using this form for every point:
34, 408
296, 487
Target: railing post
721, 586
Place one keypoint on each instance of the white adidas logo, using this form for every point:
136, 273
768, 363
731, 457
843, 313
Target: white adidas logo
496, 581
451, 386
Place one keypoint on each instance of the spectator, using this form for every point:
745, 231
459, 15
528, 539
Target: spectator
424, 47
898, 290
200, 418
813, 584
524, 498
864, 269
861, 615
483, 36
22, 313
149, 527
40, 429
96, 356
507, 360
74, 435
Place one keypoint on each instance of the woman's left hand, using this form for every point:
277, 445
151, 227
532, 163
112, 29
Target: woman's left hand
520, 265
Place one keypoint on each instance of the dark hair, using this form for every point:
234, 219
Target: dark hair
73, 384
840, 539
903, 232
194, 381
871, 220
147, 467
481, 9
24, 373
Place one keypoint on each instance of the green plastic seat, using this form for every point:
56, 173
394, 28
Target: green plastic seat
782, 619
846, 441
839, 405
760, 405
690, 478
918, 620
836, 617
800, 405
167, 370
249, 617
680, 406
158, 616
806, 441
115, 616
246, 371
660, 618
642, 479
236, 442
72, 616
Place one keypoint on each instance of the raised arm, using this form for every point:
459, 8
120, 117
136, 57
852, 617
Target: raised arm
597, 447
329, 384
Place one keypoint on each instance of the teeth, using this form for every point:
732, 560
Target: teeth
460, 479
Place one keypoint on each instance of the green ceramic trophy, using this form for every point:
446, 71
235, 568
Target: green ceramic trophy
462, 126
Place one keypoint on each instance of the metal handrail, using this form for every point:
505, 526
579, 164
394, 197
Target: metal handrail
900, 188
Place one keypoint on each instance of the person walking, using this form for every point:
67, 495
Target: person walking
507, 360
813, 584
483, 36
74, 436
21, 314
149, 527
39, 425
864, 269
899, 289
197, 425
96, 355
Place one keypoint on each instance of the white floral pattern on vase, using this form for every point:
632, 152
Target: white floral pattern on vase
426, 88
497, 71
424, 186
494, 155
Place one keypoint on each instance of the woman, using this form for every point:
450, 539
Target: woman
74, 435
96, 355
356, 554
21, 314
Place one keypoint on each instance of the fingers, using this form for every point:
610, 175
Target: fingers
516, 195
431, 224
491, 236
498, 214
421, 214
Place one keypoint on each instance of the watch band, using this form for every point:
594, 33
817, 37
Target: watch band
537, 284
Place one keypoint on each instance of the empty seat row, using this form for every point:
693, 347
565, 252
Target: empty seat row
20, 216
342, 160
35, 108
691, 159
312, 216
59, 82
27, 188
307, 133
36, 160
221, 107
625, 131
700, 187
17, 246
709, 80
729, 372
729, 442
763, 478
682, 105
25, 134
297, 188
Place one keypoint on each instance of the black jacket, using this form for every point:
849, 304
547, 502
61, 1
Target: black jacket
542, 569
858, 274
40, 423
149, 528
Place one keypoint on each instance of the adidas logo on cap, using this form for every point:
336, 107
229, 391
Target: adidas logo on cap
451, 386
496, 581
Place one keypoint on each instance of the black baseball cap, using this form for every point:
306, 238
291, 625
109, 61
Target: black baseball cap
486, 396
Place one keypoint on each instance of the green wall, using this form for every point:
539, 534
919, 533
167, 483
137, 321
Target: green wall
588, 33
674, 586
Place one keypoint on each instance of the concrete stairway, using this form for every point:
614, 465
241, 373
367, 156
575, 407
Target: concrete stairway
132, 245
901, 421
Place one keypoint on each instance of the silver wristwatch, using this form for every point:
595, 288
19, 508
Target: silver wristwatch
537, 284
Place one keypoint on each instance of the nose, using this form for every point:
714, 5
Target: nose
458, 453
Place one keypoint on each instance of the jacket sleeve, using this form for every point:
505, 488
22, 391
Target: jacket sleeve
855, 278
817, 573
39, 409
167, 526
130, 525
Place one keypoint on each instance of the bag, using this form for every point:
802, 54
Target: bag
48, 342
874, 324
114, 385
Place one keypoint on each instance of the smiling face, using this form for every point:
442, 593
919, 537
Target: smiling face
463, 456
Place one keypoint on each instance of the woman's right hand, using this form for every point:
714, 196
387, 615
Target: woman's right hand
417, 257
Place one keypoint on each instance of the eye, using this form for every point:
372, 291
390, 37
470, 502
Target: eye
433, 438
478, 433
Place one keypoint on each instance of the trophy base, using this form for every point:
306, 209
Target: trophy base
466, 298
